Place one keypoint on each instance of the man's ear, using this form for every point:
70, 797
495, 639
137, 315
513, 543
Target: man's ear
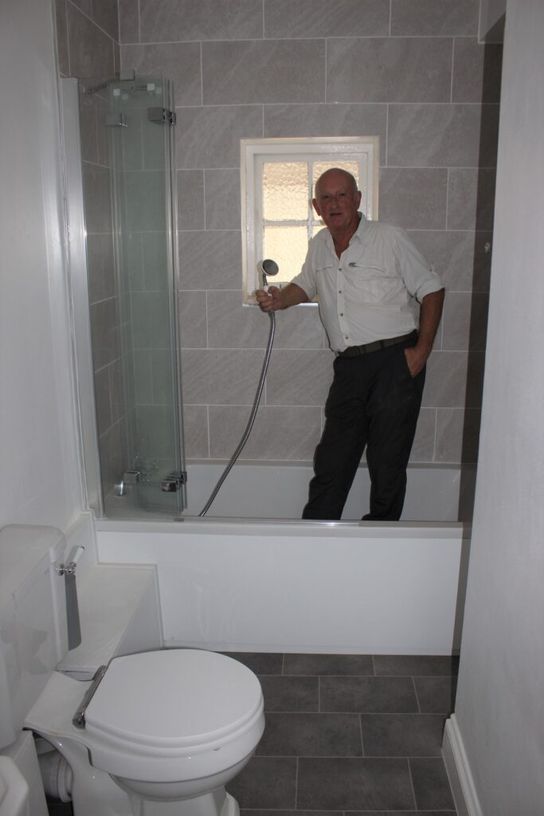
316, 206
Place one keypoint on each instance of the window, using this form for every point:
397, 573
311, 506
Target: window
278, 179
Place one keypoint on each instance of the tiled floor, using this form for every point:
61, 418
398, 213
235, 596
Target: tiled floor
348, 734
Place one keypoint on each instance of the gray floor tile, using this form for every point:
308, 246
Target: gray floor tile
290, 693
422, 665
408, 735
431, 786
291, 813
367, 694
400, 813
266, 782
354, 784
260, 662
301, 734
328, 664
436, 695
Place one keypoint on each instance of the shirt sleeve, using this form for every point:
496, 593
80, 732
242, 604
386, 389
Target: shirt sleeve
419, 276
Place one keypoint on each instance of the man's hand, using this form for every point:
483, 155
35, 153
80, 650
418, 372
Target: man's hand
269, 300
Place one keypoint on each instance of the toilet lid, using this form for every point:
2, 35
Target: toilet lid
174, 698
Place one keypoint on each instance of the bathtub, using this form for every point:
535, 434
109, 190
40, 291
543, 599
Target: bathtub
276, 584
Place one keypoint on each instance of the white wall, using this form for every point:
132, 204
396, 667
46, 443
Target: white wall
499, 708
39, 473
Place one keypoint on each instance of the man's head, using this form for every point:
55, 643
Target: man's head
337, 200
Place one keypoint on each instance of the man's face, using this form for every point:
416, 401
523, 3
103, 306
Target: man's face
337, 201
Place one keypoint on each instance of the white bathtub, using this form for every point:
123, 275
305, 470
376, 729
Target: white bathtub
278, 585
434, 492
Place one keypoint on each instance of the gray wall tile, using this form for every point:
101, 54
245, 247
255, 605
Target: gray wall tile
105, 333
222, 199
210, 137
413, 199
389, 70
190, 185
465, 321
106, 16
476, 71
210, 260
269, 71
321, 18
96, 190
179, 62
91, 50
457, 435
192, 319
206, 20
279, 434
195, 427
129, 21
102, 400
220, 377
326, 120
471, 197
299, 377
100, 267
441, 136
438, 17
233, 325
300, 328
454, 379
462, 259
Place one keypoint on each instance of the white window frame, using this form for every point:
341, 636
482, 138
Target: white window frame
254, 152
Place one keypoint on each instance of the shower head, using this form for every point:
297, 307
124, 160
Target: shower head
267, 268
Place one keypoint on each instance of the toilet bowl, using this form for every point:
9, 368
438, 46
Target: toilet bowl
162, 733
156, 732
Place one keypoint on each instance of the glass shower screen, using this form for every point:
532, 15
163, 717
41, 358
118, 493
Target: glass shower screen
145, 473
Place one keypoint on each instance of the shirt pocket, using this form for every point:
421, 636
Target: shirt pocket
372, 283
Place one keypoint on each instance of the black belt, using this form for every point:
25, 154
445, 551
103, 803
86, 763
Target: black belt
376, 345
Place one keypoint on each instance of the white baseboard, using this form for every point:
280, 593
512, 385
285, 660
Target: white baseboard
459, 773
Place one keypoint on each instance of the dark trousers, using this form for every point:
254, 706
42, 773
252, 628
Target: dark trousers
373, 402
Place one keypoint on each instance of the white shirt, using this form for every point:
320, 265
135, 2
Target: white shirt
371, 291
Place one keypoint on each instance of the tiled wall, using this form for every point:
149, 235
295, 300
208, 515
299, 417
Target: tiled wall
410, 71
88, 48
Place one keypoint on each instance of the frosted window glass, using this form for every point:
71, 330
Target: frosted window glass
285, 191
287, 246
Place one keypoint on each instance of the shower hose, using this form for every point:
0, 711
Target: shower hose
253, 414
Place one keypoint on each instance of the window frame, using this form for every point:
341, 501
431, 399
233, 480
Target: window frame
253, 154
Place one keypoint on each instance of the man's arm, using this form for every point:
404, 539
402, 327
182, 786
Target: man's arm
276, 299
429, 319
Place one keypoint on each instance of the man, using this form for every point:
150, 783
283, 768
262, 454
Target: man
368, 277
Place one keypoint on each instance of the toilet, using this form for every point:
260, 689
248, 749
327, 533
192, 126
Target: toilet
154, 733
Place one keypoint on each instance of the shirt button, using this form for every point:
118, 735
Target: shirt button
341, 314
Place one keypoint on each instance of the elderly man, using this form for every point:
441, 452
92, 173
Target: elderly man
369, 279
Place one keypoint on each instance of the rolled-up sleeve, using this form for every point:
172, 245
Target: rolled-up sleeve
419, 277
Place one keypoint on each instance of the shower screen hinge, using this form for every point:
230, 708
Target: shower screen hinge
161, 116
173, 482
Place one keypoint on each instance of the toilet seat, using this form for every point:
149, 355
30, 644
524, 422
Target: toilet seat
156, 711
